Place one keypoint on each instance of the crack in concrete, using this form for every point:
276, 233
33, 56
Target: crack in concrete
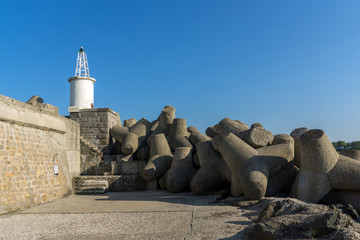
192, 220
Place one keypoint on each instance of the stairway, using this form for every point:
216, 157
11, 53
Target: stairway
91, 186
120, 174
91, 158
90, 145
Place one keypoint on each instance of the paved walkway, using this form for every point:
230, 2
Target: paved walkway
127, 215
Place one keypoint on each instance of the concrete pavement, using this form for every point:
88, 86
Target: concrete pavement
128, 215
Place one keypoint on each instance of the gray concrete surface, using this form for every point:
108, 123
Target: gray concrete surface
128, 215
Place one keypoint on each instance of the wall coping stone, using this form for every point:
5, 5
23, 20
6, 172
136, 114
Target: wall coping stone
20, 113
96, 110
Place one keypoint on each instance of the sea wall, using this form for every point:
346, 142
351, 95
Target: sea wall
39, 154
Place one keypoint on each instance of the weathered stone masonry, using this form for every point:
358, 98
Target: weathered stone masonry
34, 139
95, 125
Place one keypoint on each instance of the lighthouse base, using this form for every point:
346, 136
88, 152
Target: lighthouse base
95, 125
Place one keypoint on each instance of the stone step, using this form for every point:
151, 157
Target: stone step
86, 190
90, 145
90, 186
121, 183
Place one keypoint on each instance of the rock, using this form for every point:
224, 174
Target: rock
351, 153
130, 122
345, 197
160, 158
213, 174
178, 134
249, 166
325, 224
293, 219
260, 231
346, 209
323, 169
296, 134
119, 133
181, 171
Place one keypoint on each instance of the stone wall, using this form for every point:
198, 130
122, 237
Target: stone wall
33, 141
95, 125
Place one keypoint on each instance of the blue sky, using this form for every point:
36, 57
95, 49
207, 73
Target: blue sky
285, 64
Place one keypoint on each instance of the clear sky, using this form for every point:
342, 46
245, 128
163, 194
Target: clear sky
285, 64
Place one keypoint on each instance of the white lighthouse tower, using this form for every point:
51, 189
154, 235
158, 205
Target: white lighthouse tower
82, 85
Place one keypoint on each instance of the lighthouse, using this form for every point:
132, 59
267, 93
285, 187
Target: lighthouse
81, 85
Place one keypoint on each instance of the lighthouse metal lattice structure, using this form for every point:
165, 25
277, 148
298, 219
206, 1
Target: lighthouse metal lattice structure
82, 66
81, 85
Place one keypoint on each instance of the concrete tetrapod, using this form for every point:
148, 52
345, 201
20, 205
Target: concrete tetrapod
228, 125
136, 137
196, 160
143, 153
213, 173
166, 118
252, 168
130, 144
164, 122
141, 128
257, 137
35, 100
178, 134
210, 132
196, 137
192, 129
296, 134
323, 169
119, 133
255, 125
154, 129
160, 158
117, 147
282, 180
162, 180
181, 171
351, 153
130, 122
